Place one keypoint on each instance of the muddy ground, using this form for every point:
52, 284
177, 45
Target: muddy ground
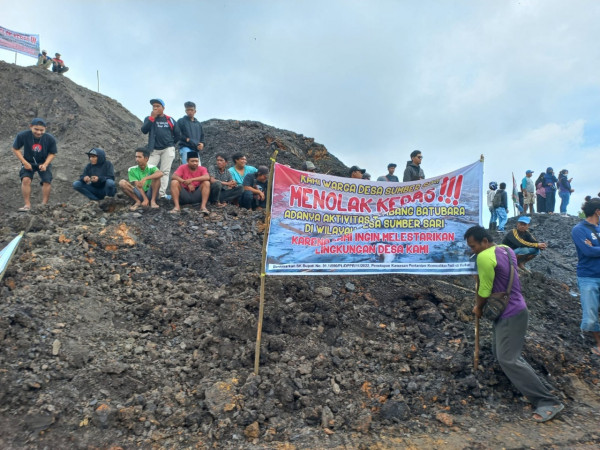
138, 330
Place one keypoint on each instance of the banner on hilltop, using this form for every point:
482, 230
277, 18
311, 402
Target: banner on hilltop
326, 225
26, 44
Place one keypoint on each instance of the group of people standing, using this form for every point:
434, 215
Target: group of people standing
546, 187
541, 191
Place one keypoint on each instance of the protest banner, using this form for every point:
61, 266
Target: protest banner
326, 225
26, 44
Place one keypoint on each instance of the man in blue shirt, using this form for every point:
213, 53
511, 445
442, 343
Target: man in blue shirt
586, 236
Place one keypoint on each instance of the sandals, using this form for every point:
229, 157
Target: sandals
548, 412
175, 211
205, 211
135, 207
24, 209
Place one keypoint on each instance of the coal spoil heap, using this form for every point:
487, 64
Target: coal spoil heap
123, 329
81, 119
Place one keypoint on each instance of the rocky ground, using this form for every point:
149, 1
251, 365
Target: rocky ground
138, 330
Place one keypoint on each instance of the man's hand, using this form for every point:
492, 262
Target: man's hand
542, 245
153, 114
200, 146
191, 187
145, 202
186, 182
477, 311
261, 195
139, 185
94, 179
86, 179
27, 166
43, 167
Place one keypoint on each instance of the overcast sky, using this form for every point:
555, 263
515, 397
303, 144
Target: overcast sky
518, 81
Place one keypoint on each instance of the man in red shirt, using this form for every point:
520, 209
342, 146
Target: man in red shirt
190, 184
58, 64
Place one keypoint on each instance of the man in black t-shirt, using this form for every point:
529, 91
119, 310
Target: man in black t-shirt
39, 149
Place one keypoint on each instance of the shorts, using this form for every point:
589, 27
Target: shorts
138, 194
528, 198
45, 176
190, 198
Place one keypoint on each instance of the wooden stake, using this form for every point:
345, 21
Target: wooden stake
476, 358
261, 307
476, 355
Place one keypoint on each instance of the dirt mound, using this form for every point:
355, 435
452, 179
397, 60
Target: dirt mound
137, 329
81, 119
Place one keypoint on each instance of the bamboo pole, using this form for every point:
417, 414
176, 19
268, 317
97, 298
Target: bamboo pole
261, 308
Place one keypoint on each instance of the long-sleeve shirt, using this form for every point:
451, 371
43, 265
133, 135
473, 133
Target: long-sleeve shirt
588, 265
514, 239
162, 132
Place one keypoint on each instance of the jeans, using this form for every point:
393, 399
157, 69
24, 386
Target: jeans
183, 151
493, 215
527, 251
163, 159
502, 218
248, 200
589, 291
565, 196
94, 193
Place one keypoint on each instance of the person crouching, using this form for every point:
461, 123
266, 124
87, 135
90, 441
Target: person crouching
98, 178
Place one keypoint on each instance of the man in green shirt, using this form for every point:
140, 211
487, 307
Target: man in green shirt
143, 181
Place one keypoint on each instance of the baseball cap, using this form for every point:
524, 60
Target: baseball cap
528, 171
38, 121
93, 151
524, 219
392, 165
355, 168
157, 100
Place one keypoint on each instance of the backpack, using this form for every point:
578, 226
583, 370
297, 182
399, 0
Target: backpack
497, 201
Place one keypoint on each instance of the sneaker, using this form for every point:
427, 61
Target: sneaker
166, 197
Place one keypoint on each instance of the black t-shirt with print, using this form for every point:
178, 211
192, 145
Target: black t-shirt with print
35, 151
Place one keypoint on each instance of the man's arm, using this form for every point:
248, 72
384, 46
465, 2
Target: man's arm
407, 176
176, 132
21, 158
147, 125
579, 237
49, 159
